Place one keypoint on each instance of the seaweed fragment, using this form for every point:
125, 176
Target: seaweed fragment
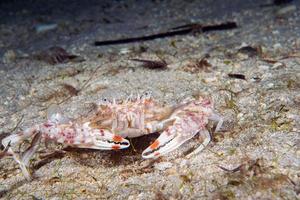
55, 55
251, 51
71, 89
198, 65
152, 64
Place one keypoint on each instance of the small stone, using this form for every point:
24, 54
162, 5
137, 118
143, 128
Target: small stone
270, 85
278, 65
210, 79
263, 67
163, 166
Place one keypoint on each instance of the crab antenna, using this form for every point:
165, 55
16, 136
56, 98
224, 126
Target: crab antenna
129, 98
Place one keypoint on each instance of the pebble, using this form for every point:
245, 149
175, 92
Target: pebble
270, 85
263, 67
163, 166
277, 65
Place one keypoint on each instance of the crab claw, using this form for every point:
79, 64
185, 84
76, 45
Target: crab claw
112, 141
182, 130
102, 139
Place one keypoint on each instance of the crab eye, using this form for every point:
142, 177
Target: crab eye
104, 101
147, 94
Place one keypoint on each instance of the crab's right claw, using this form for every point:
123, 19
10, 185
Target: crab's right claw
173, 137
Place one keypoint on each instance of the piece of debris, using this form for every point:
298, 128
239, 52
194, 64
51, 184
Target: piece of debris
281, 2
250, 51
198, 65
162, 166
65, 92
41, 28
71, 89
237, 76
278, 65
55, 55
152, 64
180, 30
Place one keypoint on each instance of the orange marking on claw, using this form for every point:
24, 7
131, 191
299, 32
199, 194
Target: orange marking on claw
154, 145
115, 147
117, 138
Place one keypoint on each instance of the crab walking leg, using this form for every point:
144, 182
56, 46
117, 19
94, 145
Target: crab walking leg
207, 139
217, 118
24, 161
27, 155
16, 138
21, 164
172, 138
19, 137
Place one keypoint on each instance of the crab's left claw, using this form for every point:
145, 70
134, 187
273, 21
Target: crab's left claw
181, 131
102, 139
111, 141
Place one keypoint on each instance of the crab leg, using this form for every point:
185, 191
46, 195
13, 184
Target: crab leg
16, 138
27, 155
24, 161
217, 118
172, 138
207, 139
19, 137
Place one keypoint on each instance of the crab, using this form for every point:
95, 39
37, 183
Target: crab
116, 120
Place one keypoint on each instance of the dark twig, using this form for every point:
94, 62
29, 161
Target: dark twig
180, 30
237, 76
